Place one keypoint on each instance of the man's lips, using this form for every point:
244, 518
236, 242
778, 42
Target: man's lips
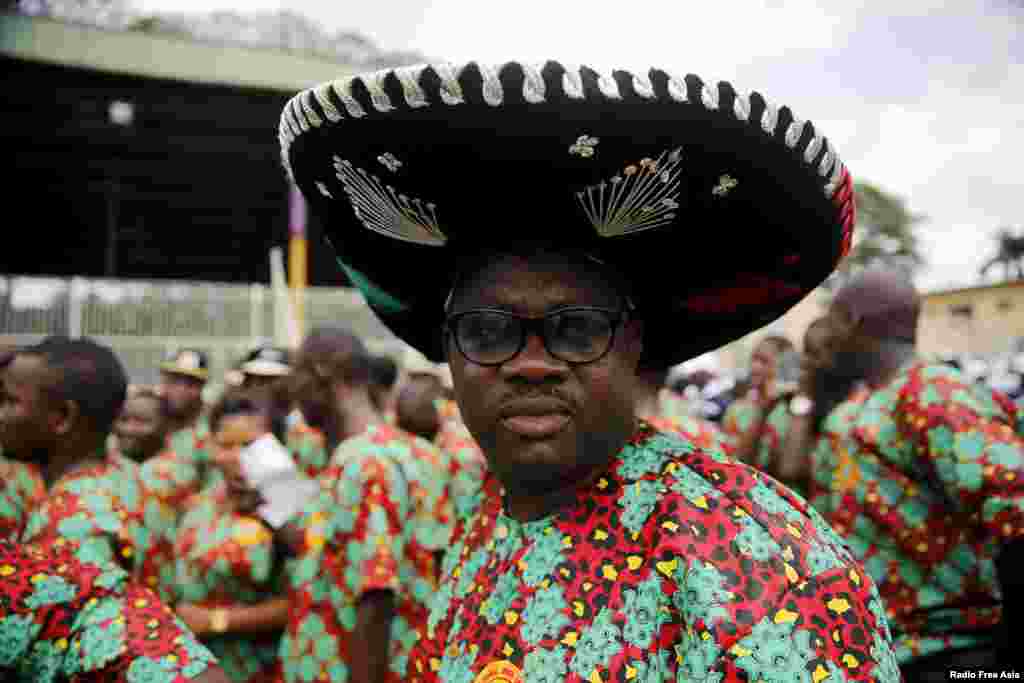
535, 418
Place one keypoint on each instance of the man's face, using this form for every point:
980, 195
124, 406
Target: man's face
544, 423
28, 413
852, 354
182, 395
763, 361
140, 427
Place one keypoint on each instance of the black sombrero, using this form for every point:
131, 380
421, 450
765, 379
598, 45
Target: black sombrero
722, 209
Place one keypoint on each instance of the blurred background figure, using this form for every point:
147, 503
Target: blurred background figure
365, 551
229, 582
668, 411
745, 415
418, 406
141, 428
263, 366
384, 385
787, 433
921, 471
183, 375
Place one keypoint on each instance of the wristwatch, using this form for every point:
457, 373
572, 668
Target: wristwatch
219, 620
800, 405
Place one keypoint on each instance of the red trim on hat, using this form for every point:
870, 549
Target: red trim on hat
750, 290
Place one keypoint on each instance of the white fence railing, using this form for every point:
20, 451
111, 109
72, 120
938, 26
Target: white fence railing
143, 320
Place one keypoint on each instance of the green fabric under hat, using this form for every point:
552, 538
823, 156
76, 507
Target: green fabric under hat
721, 209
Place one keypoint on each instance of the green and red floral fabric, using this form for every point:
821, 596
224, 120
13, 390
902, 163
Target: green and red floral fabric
372, 528
675, 564
924, 478
227, 559
66, 620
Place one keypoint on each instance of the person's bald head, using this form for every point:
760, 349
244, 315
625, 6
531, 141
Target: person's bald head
882, 304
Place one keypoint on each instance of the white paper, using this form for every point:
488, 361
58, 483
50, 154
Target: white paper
270, 469
265, 459
286, 497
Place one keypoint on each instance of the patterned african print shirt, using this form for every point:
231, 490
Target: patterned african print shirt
169, 479
65, 620
309, 448
675, 564
467, 465
699, 432
924, 477
21, 489
372, 528
739, 418
99, 508
225, 559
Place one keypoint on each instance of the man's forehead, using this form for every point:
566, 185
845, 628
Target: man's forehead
28, 374
550, 278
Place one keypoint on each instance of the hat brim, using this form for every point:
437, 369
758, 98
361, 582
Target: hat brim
265, 368
172, 369
721, 210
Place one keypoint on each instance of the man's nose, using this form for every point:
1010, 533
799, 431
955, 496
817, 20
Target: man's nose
534, 363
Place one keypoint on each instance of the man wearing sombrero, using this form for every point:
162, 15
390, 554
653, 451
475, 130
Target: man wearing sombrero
525, 224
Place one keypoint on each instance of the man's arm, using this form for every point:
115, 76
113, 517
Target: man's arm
267, 616
369, 664
213, 675
792, 464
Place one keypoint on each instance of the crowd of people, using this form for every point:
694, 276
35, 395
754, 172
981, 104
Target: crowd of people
533, 500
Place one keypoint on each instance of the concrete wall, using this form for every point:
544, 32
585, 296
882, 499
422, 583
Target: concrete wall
977, 320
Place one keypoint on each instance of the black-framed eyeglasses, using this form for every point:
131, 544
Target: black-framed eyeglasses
576, 335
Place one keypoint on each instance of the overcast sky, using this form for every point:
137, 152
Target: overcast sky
924, 98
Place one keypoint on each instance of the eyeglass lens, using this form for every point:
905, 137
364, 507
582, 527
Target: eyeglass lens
575, 336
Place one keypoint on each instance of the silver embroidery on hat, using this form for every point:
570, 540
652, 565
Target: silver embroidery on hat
608, 86
584, 146
813, 147
534, 88
491, 88
677, 88
323, 98
450, 91
835, 179
409, 77
644, 196
709, 96
794, 133
825, 165
741, 107
643, 86
725, 185
307, 108
572, 82
390, 161
381, 209
343, 89
374, 83
323, 189
770, 118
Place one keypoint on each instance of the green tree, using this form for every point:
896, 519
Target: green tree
884, 234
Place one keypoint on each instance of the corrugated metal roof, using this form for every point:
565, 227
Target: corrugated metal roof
162, 56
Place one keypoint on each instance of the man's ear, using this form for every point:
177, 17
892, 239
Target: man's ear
64, 417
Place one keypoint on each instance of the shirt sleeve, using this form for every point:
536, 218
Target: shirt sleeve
365, 530
835, 629
133, 637
970, 444
61, 619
